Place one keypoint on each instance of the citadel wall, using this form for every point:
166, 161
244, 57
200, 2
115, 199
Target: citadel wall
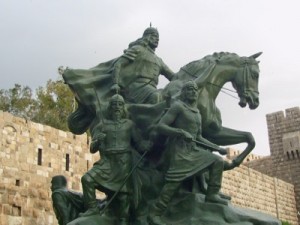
32, 153
284, 141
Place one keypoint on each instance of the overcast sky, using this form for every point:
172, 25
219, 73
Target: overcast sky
37, 36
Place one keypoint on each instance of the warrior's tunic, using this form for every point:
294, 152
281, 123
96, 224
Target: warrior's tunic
187, 159
115, 163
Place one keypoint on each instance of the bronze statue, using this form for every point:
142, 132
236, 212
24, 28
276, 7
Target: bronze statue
113, 138
184, 128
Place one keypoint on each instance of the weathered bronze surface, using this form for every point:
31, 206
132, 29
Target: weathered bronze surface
158, 164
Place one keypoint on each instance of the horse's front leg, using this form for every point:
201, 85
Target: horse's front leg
227, 136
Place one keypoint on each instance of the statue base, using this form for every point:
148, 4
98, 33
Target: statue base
190, 209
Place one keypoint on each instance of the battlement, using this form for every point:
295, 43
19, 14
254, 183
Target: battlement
232, 153
284, 132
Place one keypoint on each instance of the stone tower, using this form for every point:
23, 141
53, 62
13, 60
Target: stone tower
284, 140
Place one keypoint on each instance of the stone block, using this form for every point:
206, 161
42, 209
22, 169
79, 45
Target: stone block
30, 221
6, 209
36, 213
4, 219
33, 192
24, 167
43, 194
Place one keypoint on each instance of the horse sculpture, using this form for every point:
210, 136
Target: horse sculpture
92, 90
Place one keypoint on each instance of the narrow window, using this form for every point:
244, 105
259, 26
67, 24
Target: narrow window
17, 182
67, 162
16, 210
288, 155
40, 155
49, 164
293, 155
87, 165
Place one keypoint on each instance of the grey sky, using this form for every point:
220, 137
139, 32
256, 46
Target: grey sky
37, 36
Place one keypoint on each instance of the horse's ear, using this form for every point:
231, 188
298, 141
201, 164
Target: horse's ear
256, 55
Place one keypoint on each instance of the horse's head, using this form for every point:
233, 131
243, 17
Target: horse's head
246, 81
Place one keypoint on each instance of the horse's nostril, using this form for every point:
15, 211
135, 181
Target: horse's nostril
242, 104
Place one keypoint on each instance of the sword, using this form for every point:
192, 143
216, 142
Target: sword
220, 150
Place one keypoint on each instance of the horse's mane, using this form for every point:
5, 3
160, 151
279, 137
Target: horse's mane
198, 66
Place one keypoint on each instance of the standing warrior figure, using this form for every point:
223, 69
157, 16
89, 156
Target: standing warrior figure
137, 70
112, 138
182, 124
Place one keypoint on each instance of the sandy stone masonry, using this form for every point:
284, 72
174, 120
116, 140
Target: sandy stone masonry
255, 190
284, 141
32, 153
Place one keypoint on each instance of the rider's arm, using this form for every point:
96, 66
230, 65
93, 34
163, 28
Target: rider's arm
122, 61
129, 56
167, 72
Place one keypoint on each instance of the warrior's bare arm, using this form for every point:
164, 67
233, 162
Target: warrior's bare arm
213, 147
164, 126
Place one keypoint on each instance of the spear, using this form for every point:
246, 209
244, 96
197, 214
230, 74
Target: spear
124, 182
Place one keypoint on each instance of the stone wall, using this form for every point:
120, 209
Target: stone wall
32, 153
284, 141
255, 190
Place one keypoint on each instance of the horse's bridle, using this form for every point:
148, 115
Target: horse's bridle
246, 87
